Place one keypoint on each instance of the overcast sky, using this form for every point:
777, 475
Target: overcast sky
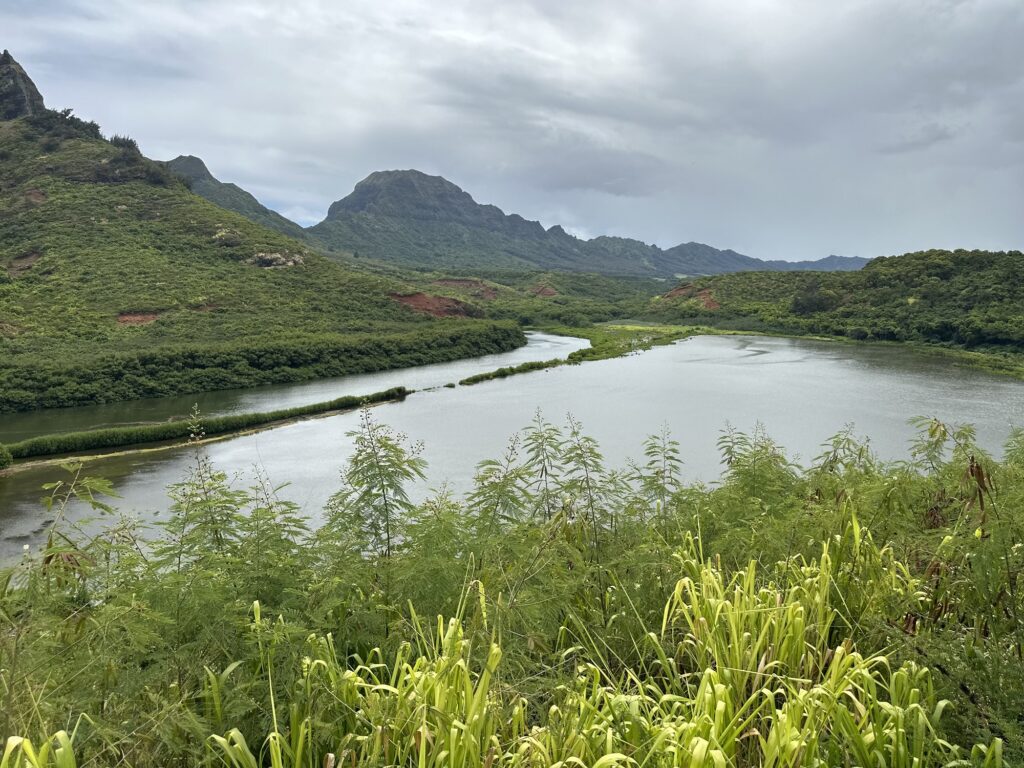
783, 129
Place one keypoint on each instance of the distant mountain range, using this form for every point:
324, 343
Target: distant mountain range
416, 220
411, 219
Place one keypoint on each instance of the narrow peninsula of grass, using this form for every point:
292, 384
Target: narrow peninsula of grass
181, 429
606, 341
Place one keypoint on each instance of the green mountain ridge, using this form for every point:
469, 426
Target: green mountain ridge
414, 220
117, 282
230, 196
417, 220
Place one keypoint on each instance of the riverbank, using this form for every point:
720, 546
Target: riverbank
54, 448
617, 339
609, 340
1001, 363
606, 341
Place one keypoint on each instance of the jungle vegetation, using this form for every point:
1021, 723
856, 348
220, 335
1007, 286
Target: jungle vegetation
851, 612
967, 299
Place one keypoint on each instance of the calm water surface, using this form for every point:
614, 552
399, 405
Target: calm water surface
802, 391
19, 426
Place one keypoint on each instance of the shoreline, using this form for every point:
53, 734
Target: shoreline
259, 422
610, 340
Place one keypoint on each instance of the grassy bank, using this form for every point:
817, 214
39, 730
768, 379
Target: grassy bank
183, 429
183, 369
606, 341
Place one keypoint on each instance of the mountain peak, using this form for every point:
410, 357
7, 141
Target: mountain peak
18, 94
191, 168
409, 193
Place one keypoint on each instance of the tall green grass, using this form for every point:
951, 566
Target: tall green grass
742, 672
852, 612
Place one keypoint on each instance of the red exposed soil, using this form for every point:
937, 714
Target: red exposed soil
9, 331
543, 290
708, 299
684, 291
35, 196
137, 318
21, 264
689, 291
477, 287
438, 306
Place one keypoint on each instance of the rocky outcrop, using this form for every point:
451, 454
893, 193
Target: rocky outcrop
19, 96
275, 260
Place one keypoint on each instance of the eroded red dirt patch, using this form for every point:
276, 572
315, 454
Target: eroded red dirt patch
689, 291
478, 288
543, 290
438, 306
708, 299
684, 291
35, 196
137, 318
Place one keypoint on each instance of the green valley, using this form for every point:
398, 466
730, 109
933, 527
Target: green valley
117, 282
276, 577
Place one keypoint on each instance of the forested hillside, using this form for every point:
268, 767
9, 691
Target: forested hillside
117, 282
970, 299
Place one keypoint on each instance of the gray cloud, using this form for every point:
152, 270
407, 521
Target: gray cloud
789, 129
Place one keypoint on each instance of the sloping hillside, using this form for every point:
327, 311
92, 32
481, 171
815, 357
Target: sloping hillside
230, 196
965, 298
117, 282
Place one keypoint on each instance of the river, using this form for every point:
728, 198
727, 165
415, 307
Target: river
802, 391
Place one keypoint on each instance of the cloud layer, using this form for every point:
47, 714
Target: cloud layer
781, 128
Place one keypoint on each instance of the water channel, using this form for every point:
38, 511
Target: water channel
802, 391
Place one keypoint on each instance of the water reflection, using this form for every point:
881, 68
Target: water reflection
802, 391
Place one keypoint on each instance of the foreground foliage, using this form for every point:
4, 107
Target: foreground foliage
850, 613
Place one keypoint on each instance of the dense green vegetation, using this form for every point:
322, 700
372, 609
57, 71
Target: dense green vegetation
784, 616
415, 220
181, 429
117, 282
534, 298
178, 368
968, 299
